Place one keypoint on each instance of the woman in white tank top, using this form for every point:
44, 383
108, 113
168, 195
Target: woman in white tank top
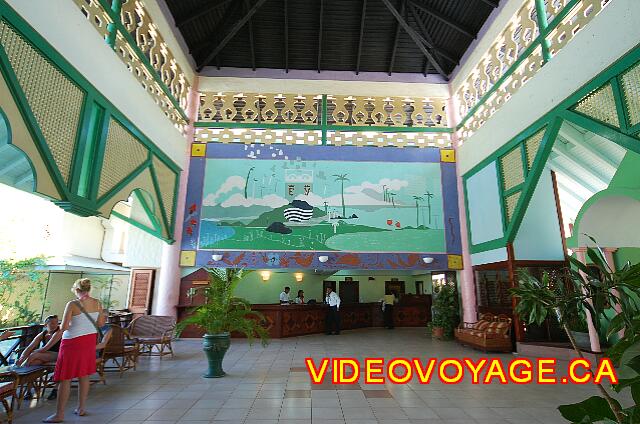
77, 355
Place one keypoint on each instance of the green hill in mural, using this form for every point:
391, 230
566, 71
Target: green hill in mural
277, 215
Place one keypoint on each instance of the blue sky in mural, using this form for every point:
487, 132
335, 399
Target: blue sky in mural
291, 204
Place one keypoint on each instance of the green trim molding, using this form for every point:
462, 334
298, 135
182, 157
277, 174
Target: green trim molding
623, 135
79, 194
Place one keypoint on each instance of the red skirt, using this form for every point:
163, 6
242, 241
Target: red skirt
76, 358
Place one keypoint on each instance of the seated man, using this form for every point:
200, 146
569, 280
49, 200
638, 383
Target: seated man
49, 342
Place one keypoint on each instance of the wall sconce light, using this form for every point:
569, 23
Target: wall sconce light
299, 276
217, 257
372, 278
323, 258
265, 275
427, 260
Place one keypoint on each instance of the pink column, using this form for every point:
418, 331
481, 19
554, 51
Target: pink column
593, 334
168, 282
467, 284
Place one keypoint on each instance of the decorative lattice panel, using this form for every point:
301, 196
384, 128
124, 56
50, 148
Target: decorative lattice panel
95, 14
167, 183
532, 145
314, 137
382, 139
123, 154
306, 109
512, 170
511, 202
499, 60
600, 105
55, 101
630, 82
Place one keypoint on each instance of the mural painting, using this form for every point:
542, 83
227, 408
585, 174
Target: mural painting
283, 203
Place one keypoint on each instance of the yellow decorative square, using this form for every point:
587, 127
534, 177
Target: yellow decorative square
198, 149
447, 155
188, 258
455, 261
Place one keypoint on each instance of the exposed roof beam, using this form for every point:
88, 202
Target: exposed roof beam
571, 192
394, 49
23, 178
571, 145
490, 3
570, 174
361, 38
234, 30
572, 135
201, 12
418, 39
583, 167
439, 16
425, 34
320, 34
286, 36
251, 45
426, 38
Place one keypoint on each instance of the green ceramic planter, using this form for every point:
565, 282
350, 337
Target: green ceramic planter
215, 346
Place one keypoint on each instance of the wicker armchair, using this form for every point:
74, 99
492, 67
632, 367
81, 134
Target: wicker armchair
153, 332
8, 392
490, 333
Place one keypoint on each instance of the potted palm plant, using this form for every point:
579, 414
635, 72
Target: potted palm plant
591, 290
444, 311
221, 314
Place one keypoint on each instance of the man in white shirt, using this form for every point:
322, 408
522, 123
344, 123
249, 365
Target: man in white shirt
332, 322
284, 296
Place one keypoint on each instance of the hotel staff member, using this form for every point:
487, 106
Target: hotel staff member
284, 296
332, 321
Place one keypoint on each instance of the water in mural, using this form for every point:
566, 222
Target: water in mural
290, 204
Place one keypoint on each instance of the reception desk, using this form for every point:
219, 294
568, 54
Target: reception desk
298, 320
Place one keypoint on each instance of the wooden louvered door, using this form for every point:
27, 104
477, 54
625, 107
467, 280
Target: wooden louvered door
140, 293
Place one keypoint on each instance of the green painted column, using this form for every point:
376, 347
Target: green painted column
541, 12
116, 7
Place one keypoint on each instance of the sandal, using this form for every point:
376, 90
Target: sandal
79, 413
52, 419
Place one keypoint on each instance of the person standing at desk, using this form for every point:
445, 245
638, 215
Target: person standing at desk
284, 296
300, 299
332, 322
387, 309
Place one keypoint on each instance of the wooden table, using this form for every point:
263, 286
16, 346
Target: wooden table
298, 320
31, 377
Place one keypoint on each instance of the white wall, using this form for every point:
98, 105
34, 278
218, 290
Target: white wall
301, 86
483, 201
539, 235
64, 26
608, 36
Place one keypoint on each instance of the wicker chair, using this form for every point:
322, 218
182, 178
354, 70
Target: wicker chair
153, 332
8, 392
490, 333
116, 351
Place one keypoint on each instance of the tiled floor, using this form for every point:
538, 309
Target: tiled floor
271, 386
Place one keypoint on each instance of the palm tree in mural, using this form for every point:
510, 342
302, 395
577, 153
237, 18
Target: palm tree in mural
246, 181
342, 178
417, 198
326, 207
429, 195
392, 197
384, 192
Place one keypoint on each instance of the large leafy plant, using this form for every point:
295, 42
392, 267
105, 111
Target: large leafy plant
445, 308
22, 291
222, 312
595, 289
